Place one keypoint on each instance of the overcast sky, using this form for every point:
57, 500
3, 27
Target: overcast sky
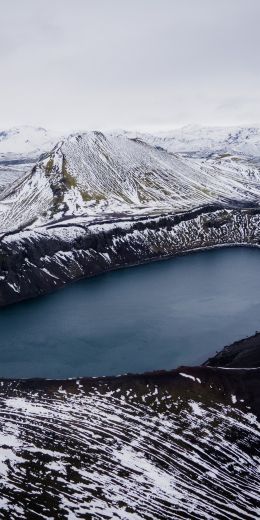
144, 64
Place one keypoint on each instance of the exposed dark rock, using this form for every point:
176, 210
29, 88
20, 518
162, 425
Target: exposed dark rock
40, 260
243, 353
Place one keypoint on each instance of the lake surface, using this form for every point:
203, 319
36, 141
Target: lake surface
156, 316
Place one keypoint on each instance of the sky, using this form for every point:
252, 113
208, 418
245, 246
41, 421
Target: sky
136, 64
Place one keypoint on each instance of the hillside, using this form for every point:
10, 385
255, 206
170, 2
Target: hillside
166, 445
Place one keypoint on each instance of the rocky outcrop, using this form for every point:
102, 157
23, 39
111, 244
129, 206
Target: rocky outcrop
37, 261
243, 353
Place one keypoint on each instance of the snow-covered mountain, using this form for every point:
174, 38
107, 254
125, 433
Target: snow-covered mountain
20, 148
26, 142
206, 141
93, 174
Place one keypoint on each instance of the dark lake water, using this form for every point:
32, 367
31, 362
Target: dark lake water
156, 316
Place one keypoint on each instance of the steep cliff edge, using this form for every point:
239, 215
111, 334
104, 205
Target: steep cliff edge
34, 262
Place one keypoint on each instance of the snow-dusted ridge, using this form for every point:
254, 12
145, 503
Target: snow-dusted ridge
182, 444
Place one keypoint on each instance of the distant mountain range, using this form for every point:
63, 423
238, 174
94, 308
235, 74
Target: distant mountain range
29, 142
25, 142
20, 147
200, 141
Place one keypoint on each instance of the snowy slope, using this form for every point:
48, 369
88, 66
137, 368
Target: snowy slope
132, 171
183, 444
93, 174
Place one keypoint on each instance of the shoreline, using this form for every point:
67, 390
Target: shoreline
42, 261
242, 355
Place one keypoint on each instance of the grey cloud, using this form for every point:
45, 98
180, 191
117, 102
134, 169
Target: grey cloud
129, 63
